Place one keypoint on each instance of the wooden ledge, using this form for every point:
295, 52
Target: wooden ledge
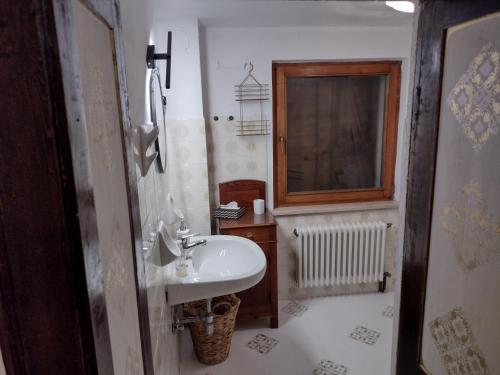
332, 208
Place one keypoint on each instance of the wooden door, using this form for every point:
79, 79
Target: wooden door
102, 117
51, 320
70, 242
101, 142
451, 273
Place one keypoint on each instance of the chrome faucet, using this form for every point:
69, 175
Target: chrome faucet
187, 245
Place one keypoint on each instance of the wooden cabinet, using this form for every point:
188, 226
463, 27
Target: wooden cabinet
261, 301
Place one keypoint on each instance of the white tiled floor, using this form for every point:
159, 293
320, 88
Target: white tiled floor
322, 332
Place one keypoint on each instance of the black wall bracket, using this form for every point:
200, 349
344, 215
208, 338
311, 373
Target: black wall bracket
152, 56
382, 284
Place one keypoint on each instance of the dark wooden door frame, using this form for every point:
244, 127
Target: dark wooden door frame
53, 315
47, 313
436, 17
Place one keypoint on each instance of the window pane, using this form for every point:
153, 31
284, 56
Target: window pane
335, 132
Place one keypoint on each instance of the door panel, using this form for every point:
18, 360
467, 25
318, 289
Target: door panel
448, 320
46, 310
107, 165
461, 323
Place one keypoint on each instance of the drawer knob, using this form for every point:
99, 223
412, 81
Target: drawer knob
249, 234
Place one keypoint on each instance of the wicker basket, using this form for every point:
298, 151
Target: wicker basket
213, 349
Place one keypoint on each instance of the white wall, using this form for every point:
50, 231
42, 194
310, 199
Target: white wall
184, 97
136, 35
227, 49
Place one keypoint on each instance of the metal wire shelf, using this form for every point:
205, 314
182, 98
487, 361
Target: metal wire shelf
250, 90
252, 127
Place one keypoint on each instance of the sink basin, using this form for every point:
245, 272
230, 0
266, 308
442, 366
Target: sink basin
226, 264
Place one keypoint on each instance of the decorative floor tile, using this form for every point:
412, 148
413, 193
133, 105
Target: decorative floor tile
388, 312
456, 344
327, 367
295, 308
262, 343
365, 335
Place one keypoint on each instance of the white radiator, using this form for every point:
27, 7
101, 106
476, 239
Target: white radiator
340, 254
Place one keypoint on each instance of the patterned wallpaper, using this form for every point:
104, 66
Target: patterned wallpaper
102, 112
462, 325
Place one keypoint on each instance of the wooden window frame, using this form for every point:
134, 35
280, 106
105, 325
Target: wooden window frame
283, 70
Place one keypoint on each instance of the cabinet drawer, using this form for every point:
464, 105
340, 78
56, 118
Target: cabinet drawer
257, 234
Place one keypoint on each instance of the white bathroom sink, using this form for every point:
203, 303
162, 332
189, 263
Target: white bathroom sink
226, 264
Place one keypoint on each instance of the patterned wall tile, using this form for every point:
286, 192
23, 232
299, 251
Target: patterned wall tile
456, 344
186, 178
234, 157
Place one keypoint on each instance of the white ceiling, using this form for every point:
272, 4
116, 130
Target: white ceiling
282, 13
